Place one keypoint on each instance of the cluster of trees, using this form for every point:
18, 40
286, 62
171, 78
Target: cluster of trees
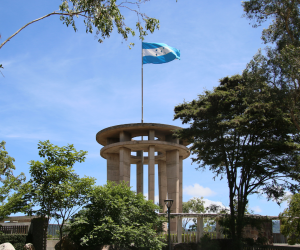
54, 188
247, 129
96, 215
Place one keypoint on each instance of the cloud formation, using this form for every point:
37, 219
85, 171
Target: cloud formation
256, 209
197, 190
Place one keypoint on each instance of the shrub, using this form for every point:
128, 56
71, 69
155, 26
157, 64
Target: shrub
206, 243
19, 246
13, 238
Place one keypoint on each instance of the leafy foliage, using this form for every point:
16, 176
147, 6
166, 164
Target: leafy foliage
280, 66
10, 193
102, 16
54, 187
17, 240
206, 243
194, 205
290, 220
241, 134
285, 16
117, 216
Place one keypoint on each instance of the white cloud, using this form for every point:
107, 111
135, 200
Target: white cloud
219, 204
256, 209
197, 190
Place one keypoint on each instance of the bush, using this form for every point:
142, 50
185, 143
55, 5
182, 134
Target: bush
206, 243
19, 246
248, 241
13, 238
261, 240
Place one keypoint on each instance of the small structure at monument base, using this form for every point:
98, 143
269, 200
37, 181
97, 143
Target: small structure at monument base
180, 236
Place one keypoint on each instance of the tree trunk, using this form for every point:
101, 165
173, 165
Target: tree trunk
60, 235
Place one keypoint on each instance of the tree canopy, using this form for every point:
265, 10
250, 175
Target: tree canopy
10, 192
194, 205
54, 189
239, 132
117, 216
101, 17
279, 66
290, 220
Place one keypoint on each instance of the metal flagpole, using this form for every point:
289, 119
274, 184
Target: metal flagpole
142, 88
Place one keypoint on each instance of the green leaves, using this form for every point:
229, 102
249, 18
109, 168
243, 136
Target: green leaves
103, 15
240, 132
290, 220
117, 216
280, 66
194, 205
54, 188
10, 189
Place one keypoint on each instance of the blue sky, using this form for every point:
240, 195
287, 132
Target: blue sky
64, 86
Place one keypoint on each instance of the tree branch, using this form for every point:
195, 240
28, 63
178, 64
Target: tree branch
50, 14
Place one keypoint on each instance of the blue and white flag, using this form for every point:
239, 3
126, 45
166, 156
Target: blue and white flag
159, 53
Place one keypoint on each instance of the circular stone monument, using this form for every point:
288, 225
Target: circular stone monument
146, 144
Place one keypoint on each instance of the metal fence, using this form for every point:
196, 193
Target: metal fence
279, 238
22, 229
53, 231
191, 237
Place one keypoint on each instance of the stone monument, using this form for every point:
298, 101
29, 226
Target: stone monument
128, 143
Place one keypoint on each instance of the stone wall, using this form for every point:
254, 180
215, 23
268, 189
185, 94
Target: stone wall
254, 233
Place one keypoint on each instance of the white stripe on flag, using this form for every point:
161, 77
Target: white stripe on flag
161, 51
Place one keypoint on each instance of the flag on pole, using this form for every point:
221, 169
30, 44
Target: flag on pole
159, 53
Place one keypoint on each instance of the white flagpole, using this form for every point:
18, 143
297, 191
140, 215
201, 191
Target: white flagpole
142, 88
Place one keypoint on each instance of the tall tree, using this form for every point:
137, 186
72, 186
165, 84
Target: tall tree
238, 131
10, 192
117, 216
56, 191
280, 66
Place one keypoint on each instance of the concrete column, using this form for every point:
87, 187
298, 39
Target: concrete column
140, 173
162, 184
172, 162
112, 140
179, 229
199, 228
151, 135
113, 167
180, 183
151, 173
218, 229
124, 136
124, 167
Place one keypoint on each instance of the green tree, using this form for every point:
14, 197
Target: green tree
117, 216
101, 17
192, 206
280, 66
290, 220
238, 131
10, 193
55, 190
